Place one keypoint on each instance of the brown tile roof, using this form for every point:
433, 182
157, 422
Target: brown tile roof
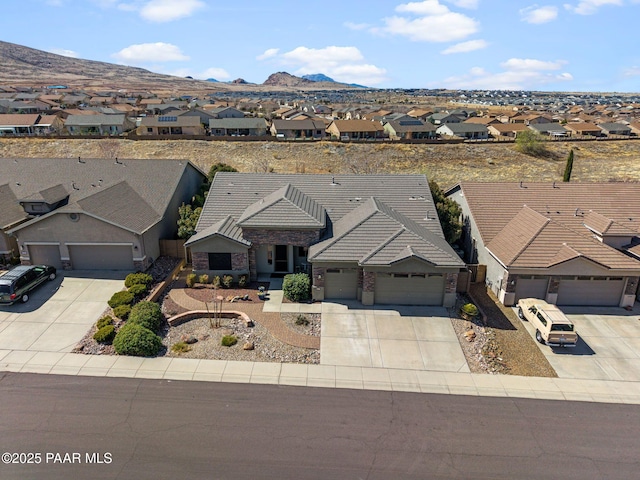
357, 126
508, 127
18, 119
583, 127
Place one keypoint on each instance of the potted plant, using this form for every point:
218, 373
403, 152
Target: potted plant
261, 292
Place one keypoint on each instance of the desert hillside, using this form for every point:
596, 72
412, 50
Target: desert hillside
447, 164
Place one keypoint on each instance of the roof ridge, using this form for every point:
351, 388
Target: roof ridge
382, 244
534, 236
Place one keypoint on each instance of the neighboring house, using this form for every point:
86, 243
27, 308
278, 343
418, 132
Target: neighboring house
226, 112
421, 113
531, 119
510, 130
203, 115
238, 127
48, 125
583, 128
18, 124
551, 129
298, 129
375, 238
355, 130
486, 121
443, 118
615, 129
471, 131
92, 213
566, 243
635, 128
414, 129
170, 125
99, 124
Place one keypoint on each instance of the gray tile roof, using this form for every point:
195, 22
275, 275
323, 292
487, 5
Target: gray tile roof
245, 122
139, 189
226, 228
49, 195
91, 120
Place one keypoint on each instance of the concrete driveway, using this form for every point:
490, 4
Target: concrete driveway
608, 346
416, 338
58, 313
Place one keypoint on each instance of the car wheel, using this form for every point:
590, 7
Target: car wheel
52, 276
25, 298
539, 337
520, 314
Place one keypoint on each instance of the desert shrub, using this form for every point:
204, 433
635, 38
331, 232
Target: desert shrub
138, 279
133, 339
216, 281
227, 280
229, 340
104, 321
147, 314
105, 334
120, 298
122, 311
302, 320
297, 287
191, 280
242, 281
138, 289
469, 309
181, 347
204, 278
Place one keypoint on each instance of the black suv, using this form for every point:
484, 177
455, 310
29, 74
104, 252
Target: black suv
17, 283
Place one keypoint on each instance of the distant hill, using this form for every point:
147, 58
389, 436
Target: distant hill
318, 77
284, 79
314, 81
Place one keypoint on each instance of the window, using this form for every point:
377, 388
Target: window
562, 327
219, 261
542, 319
149, 130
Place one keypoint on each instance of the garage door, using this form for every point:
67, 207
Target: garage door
587, 291
531, 288
400, 289
45, 255
101, 257
341, 283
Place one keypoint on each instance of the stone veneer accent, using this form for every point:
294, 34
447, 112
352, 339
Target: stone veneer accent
301, 238
450, 283
368, 281
253, 264
632, 286
200, 260
554, 285
239, 261
318, 277
509, 283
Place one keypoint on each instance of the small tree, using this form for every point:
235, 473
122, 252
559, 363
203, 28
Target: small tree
219, 167
567, 170
530, 143
448, 213
188, 220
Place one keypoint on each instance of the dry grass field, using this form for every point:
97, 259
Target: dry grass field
447, 164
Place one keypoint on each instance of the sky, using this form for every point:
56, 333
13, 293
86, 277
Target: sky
574, 45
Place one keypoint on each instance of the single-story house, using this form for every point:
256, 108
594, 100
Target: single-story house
18, 123
374, 238
530, 119
170, 125
442, 118
583, 128
92, 213
241, 127
307, 129
615, 128
226, 112
566, 243
463, 130
413, 129
99, 124
551, 129
355, 130
510, 130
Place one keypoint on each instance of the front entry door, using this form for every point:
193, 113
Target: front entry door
282, 264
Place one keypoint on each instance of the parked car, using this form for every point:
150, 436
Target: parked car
553, 328
17, 283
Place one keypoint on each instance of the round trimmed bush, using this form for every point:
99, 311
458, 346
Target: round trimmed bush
137, 341
138, 279
105, 334
297, 287
122, 311
229, 340
138, 289
146, 314
104, 321
469, 309
121, 298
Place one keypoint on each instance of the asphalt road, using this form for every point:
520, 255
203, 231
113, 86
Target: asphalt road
160, 429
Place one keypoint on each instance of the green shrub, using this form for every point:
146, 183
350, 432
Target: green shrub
138, 289
136, 340
191, 280
105, 334
138, 279
216, 281
227, 280
469, 309
104, 321
181, 347
302, 320
229, 340
122, 311
242, 281
120, 298
147, 314
204, 278
297, 287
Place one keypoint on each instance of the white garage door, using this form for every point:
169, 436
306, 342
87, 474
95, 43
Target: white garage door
587, 291
101, 257
531, 288
402, 289
45, 255
341, 283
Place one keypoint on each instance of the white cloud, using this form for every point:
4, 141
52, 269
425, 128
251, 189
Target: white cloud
343, 64
535, 14
465, 3
167, 10
434, 23
356, 26
517, 74
465, 47
150, 52
64, 52
269, 53
589, 7
213, 72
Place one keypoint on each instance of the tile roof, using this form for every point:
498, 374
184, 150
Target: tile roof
245, 122
357, 126
226, 228
170, 120
98, 119
18, 119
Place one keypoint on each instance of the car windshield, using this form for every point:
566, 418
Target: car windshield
562, 327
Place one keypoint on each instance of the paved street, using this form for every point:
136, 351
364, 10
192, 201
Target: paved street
173, 429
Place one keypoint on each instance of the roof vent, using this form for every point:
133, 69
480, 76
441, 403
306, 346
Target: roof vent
333, 181
75, 187
81, 161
